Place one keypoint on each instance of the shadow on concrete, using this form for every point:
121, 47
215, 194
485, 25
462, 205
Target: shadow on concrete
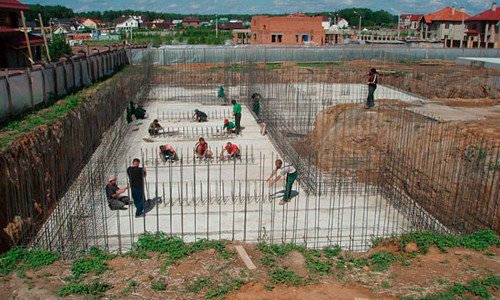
279, 194
151, 203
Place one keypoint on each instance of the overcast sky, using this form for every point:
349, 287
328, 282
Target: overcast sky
265, 6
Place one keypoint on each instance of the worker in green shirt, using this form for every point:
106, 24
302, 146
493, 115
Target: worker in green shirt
221, 94
237, 115
229, 126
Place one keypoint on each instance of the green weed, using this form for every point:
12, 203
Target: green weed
273, 66
79, 288
198, 285
158, 285
381, 261
19, 259
130, 288
94, 262
476, 287
317, 265
332, 251
385, 285
222, 289
284, 276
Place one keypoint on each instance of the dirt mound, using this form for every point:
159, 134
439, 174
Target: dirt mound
296, 262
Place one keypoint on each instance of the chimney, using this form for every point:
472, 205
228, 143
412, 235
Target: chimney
453, 10
494, 6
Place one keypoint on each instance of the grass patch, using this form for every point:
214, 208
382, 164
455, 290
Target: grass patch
479, 240
175, 248
198, 285
228, 285
273, 66
285, 276
19, 259
96, 288
94, 262
158, 286
381, 261
130, 288
477, 287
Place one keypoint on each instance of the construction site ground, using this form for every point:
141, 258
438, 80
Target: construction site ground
283, 272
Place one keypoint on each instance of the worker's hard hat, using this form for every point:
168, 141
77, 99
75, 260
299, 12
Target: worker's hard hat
111, 178
226, 121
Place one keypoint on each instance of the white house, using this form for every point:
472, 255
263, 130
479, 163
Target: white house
126, 23
343, 24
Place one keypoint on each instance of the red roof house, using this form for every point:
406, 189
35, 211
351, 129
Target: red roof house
446, 24
482, 29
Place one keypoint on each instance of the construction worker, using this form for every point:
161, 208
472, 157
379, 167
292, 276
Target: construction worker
229, 126
291, 175
200, 116
168, 153
136, 177
256, 104
221, 94
140, 112
114, 195
154, 128
237, 115
201, 149
233, 151
372, 86
130, 111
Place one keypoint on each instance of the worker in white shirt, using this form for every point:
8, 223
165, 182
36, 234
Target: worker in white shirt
291, 175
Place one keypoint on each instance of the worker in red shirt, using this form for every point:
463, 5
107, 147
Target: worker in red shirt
372, 86
232, 151
201, 149
168, 153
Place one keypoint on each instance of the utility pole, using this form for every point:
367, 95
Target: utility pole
399, 24
216, 27
360, 25
27, 38
44, 37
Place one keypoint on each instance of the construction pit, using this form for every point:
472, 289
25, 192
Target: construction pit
363, 174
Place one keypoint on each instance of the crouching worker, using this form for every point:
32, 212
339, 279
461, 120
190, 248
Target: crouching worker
140, 112
200, 116
154, 128
229, 126
291, 175
232, 151
167, 153
114, 195
201, 149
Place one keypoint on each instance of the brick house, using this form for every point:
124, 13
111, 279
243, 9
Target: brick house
296, 29
410, 21
13, 43
483, 29
191, 21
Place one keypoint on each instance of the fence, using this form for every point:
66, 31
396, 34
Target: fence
35, 88
224, 54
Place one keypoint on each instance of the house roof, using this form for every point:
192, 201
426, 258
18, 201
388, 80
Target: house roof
449, 14
97, 21
412, 17
235, 25
191, 19
13, 4
492, 14
120, 20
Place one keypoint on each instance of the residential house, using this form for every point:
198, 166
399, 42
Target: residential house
231, 25
342, 23
91, 23
126, 23
191, 21
410, 21
483, 29
447, 24
295, 29
166, 25
13, 42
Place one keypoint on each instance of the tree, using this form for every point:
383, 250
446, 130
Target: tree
58, 47
48, 12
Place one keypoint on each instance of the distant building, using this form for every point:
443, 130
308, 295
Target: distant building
445, 25
230, 25
410, 21
483, 29
191, 21
92, 23
126, 23
296, 29
13, 43
166, 25
342, 24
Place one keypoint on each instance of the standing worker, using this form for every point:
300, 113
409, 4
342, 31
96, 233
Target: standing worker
237, 115
221, 94
372, 86
256, 104
291, 174
136, 177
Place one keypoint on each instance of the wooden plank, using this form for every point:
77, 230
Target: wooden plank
244, 257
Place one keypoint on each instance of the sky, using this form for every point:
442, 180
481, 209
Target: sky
266, 6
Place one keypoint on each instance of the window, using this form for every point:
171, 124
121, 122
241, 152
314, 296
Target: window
296, 38
264, 27
305, 38
280, 38
273, 38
